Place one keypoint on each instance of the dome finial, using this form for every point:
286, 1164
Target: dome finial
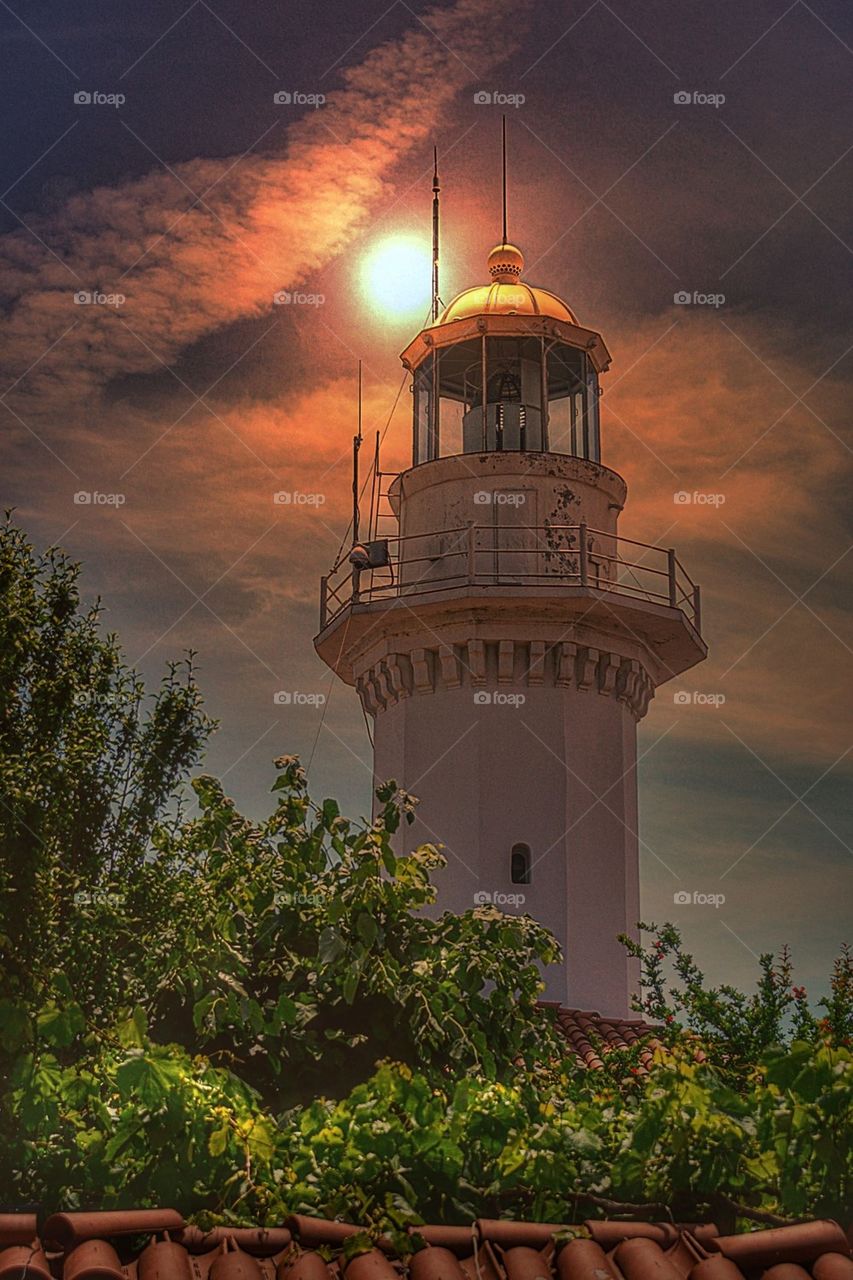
505, 263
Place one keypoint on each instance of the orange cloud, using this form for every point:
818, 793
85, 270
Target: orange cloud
206, 243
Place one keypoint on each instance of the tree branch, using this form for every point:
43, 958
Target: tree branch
757, 1215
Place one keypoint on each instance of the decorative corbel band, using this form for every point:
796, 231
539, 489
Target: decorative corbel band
477, 662
536, 667
566, 667
587, 667
450, 672
506, 661
608, 670
474, 663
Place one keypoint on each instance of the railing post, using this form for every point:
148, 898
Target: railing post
673, 586
697, 608
356, 584
472, 551
324, 592
584, 549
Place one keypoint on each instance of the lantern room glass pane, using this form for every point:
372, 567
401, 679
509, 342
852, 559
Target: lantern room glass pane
450, 414
513, 412
422, 389
592, 414
541, 395
572, 402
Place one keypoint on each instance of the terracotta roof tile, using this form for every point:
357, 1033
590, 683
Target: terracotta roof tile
803, 1243
833, 1266
592, 1036
21, 1260
67, 1229
92, 1246
437, 1263
461, 1240
17, 1228
584, 1260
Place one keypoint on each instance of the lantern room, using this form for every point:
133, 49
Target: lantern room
506, 366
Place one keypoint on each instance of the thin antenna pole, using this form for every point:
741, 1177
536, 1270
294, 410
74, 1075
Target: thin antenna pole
356, 445
503, 176
436, 300
375, 494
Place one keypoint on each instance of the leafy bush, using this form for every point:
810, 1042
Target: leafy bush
735, 1028
297, 949
141, 1124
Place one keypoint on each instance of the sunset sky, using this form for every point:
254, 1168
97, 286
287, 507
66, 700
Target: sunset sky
197, 398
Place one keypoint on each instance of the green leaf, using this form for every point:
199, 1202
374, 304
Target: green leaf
218, 1141
330, 812
132, 1032
144, 1078
286, 1010
389, 860
366, 928
58, 1026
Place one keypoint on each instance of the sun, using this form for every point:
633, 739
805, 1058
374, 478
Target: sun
396, 277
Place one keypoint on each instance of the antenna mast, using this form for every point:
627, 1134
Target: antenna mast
356, 445
503, 176
436, 300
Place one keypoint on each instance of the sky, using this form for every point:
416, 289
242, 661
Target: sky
184, 163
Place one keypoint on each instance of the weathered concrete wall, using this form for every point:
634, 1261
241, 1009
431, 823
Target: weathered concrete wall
554, 767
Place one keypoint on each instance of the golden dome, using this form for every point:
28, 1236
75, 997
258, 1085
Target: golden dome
507, 295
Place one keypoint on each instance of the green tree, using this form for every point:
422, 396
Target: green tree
88, 767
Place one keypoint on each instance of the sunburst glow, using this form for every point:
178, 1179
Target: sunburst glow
396, 277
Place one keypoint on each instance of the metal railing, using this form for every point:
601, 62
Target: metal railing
510, 555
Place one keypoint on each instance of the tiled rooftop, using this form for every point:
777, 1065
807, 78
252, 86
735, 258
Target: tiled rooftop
156, 1244
591, 1036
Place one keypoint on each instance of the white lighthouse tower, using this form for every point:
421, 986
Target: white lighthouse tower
505, 640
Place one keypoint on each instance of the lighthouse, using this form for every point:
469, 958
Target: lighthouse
505, 639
